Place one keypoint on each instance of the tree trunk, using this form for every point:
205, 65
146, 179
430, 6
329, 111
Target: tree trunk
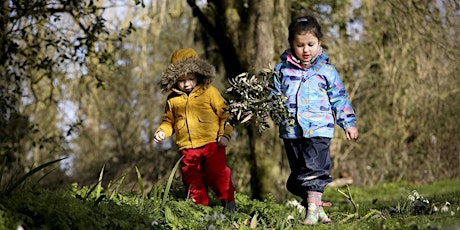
245, 36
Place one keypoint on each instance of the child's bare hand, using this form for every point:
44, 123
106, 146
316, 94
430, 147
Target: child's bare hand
222, 141
352, 133
159, 137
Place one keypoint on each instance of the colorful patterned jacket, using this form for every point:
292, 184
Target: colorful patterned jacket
315, 97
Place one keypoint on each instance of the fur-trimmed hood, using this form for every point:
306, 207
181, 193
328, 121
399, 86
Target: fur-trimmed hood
205, 71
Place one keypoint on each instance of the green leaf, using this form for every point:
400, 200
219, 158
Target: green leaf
141, 184
170, 179
19, 181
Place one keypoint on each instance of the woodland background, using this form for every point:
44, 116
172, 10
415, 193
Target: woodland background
79, 79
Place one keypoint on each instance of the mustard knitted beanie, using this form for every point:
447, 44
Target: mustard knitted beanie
183, 53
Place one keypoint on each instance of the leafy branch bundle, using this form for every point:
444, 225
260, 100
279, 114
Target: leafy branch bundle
253, 99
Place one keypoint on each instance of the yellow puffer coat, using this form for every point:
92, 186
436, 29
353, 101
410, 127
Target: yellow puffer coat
197, 119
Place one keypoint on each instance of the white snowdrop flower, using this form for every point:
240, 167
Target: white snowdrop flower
444, 208
20, 227
452, 213
296, 204
293, 203
290, 217
415, 194
411, 198
424, 200
300, 208
435, 209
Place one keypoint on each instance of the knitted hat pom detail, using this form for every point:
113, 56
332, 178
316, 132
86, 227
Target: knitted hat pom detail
182, 54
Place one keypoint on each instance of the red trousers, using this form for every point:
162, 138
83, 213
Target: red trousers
203, 167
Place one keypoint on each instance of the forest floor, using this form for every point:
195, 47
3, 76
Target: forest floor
386, 206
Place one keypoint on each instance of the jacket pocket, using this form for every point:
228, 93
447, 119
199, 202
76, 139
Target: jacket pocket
207, 119
208, 127
179, 124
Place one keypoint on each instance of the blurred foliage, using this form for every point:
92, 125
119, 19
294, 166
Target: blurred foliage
402, 90
44, 46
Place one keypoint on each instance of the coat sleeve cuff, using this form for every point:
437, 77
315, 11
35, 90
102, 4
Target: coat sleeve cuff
227, 136
348, 125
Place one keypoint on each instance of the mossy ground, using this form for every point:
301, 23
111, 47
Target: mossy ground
385, 206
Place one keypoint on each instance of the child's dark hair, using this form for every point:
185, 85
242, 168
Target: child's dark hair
303, 25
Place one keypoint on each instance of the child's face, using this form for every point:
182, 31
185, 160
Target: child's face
306, 46
187, 83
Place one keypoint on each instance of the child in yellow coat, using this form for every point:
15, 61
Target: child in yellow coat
196, 113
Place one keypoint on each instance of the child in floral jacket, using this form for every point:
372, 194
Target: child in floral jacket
316, 100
